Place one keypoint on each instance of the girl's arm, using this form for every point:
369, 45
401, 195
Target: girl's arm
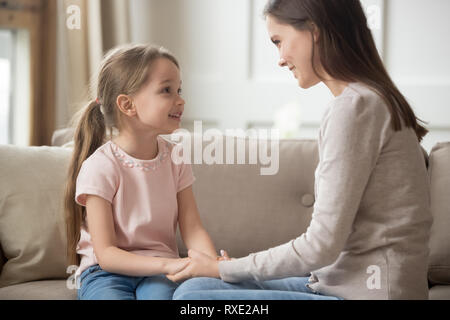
116, 260
192, 231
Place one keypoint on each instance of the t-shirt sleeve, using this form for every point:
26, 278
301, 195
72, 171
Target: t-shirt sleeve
97, 177
185, 177
353, 138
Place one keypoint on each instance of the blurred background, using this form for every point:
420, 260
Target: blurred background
50, 50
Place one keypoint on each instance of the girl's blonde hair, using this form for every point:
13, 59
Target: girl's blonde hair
124, 70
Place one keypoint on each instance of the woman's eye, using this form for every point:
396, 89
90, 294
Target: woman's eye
166, 90
180, 91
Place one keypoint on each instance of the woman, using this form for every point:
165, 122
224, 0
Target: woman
368, 237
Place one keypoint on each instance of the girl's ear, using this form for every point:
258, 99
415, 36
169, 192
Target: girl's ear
126, 105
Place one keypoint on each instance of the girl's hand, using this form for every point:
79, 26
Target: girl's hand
176, 265
200, 265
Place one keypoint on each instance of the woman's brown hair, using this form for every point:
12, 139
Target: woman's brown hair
347, 50
124, 70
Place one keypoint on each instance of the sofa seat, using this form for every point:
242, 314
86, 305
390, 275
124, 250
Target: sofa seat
242, 210
439, 292
38, 290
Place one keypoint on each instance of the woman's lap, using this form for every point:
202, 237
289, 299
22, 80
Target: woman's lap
97, 284
245, 294
215, 289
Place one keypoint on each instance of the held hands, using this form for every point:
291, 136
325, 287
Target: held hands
198, 265
176, 265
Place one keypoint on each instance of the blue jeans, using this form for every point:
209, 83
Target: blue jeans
214, 289
98, 284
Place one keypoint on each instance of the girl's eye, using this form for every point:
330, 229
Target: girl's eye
180, 91
276, 42
166, 90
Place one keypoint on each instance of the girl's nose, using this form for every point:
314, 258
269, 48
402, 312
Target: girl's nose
282, 62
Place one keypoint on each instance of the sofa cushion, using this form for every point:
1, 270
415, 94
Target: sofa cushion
245, 211
439, 171
38, 290
439, 292
32, 230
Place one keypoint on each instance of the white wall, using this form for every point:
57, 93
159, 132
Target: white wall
417, 57
230, 73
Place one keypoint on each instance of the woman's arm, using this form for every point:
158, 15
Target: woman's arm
192, 231
115, 260
352, 140
354, 133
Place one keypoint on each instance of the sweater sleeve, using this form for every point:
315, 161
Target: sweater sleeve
352, 137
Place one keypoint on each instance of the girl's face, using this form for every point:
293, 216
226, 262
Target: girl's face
295, 48
158, 104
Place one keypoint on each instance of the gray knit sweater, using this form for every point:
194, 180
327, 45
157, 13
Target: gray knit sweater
368, 237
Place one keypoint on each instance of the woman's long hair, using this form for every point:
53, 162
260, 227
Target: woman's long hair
124, 70
347, 50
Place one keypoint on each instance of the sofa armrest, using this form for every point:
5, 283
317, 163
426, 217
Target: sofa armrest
2, 259
62, 136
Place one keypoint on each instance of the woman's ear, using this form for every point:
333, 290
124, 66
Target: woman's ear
126, 105
315, 32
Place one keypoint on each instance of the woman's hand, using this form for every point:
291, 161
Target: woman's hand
174, 266
200, 265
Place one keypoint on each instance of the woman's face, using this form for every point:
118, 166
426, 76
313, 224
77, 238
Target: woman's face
295, 48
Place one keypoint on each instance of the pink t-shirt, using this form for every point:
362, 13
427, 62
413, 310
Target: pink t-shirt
143, 194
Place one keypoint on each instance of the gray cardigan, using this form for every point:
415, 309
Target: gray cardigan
368, 237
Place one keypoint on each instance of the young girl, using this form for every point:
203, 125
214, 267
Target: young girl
124, 195
368, 237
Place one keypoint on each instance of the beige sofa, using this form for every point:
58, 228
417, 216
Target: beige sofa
243, 211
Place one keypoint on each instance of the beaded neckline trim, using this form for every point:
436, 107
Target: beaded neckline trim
144, 165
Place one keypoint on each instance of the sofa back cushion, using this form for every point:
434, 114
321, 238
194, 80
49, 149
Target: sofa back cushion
245, 211
32, 230
439, 171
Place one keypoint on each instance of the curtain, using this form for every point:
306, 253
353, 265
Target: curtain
103, 24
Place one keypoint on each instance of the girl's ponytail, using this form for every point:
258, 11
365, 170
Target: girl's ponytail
89, 136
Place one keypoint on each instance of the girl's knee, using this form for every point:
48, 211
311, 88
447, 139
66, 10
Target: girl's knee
106, 293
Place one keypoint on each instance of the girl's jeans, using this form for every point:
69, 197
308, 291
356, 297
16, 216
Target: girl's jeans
97, 284
214, 289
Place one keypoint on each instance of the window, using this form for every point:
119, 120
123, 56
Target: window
5, 84
14, 87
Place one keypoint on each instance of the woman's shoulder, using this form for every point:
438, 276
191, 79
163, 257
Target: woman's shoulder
359, 100
359, 108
